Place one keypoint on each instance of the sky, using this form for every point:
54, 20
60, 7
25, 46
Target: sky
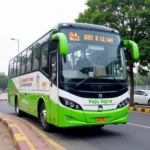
28, 20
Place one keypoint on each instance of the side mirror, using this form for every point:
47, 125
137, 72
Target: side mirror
134, 48
145, 94
63, 44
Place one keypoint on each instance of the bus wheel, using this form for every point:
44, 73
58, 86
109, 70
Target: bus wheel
42, 118
18, 111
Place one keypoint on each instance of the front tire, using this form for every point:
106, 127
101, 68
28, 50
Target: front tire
43, 121
18, 111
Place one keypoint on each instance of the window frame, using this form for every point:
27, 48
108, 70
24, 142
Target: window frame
15, 71
18, 63
25, 55
31, 60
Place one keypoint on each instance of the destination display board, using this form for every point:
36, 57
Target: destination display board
78, 35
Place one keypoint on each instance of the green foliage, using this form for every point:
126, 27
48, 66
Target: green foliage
3, 81
144, 66
144, 79
138, 81
130, 18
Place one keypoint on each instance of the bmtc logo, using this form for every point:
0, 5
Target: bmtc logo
38, 81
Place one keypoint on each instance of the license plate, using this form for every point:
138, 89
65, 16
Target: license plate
100, 119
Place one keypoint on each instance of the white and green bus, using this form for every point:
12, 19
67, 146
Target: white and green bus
75, 75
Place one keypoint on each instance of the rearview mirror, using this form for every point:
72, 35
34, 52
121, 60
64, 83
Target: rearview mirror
134, 48
63, 44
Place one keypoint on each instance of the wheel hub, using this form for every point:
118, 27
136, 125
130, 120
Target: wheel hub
43, 117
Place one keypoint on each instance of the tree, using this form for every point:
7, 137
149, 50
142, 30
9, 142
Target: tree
138, 81
3, 81
132, 19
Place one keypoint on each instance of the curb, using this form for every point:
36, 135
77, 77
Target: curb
23, 137
140, 109
19, 138
3, 99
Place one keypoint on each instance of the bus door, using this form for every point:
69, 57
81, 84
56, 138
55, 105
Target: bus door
53, 60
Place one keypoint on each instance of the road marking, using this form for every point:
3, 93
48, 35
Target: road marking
17, 136
142, 106
139, 112
47, 138
138, 125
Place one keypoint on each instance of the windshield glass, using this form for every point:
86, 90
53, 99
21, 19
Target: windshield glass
92, 54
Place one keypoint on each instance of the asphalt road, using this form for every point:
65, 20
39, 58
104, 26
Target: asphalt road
133, 136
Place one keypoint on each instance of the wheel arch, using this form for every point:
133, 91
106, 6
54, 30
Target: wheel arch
44, 99
40, 101
16, 98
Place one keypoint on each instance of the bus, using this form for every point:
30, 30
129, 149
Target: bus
73, 76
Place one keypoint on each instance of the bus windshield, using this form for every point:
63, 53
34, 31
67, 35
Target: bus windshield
92, 54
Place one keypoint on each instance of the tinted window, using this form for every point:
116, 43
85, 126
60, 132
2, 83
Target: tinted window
44, 55
11, 68
19, 65
36, 58
141, 93
135, 92
54, 68
29, 60
23, 62
15, 67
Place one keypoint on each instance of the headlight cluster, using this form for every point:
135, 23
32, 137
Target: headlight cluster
123, 103
70, 103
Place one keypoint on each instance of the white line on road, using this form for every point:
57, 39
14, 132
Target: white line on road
138, 125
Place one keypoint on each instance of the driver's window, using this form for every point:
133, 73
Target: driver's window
53, 63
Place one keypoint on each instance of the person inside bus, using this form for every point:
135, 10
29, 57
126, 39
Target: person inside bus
83, 63
66, 64
99, 67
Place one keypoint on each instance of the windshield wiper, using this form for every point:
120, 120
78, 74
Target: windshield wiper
78, 84
114, 78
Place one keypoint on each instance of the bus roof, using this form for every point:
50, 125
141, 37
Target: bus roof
87, 26
74, 25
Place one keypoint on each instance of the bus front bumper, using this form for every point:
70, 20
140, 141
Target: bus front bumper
74, 118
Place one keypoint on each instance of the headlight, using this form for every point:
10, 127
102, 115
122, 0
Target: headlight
70, 104
123, 103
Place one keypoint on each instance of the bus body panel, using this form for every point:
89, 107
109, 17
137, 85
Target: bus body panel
29, 89
90, 104
39, 88
86, 118
33, 86
71, 117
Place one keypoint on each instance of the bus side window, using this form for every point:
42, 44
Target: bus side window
11, 70
19, 65
15, 66
36, 58
29, 60
44, 58
23, 62
53, 68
